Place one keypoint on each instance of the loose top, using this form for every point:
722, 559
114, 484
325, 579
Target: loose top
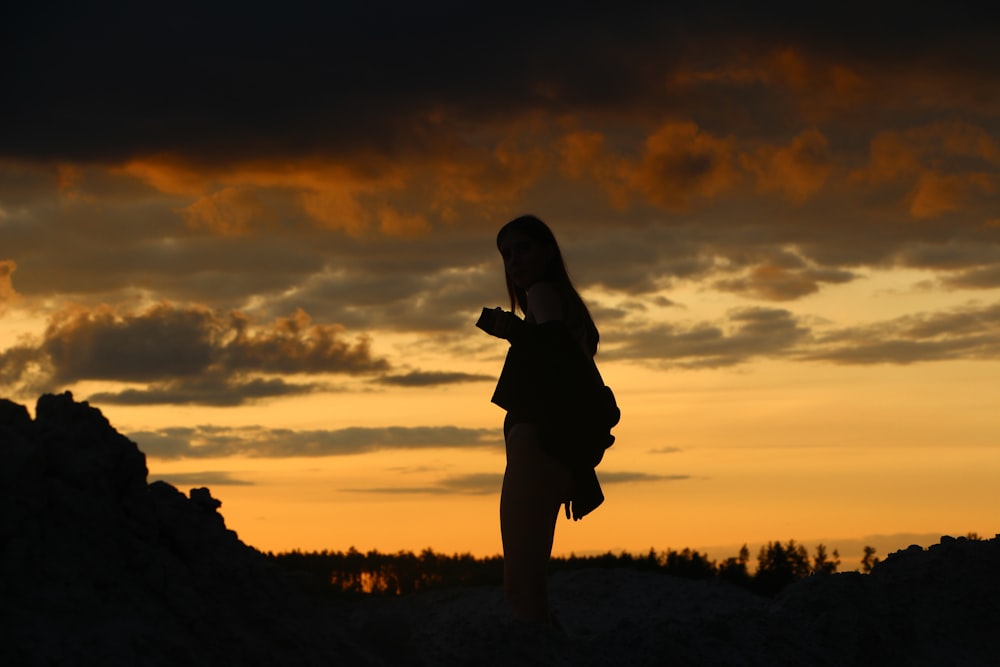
550, 380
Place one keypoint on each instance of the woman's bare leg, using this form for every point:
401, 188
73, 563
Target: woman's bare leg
534, 486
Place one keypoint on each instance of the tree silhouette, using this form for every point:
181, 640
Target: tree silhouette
735, 568
689, 564
779, 565
375, 573
869, 560
822, 564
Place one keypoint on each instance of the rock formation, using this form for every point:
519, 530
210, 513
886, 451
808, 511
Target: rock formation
97, 567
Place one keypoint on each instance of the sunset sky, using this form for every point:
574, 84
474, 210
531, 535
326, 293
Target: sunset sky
258, 239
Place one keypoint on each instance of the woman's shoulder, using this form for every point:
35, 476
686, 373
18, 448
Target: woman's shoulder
549, 302
546, 302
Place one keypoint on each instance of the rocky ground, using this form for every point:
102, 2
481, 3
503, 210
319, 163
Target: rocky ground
937, 606
98, 567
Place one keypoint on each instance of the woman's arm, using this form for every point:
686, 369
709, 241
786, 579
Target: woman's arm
544, 305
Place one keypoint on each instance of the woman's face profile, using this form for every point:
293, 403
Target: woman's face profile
524, 258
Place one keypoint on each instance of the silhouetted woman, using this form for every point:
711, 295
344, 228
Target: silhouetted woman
559, 412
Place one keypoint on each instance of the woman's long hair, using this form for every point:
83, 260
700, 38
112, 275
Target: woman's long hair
555, 272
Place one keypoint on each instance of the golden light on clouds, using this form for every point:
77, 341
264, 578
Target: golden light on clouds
167, 175
230, 201
335, 208
937, 193
798, 171
787, 231
681, 162
230, 211
581, 153
677, 164
7, 294
392, 223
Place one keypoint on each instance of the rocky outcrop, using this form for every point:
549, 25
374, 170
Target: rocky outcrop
933, 606
97, 567
919, 608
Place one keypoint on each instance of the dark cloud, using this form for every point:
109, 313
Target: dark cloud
260, 442
392, 290
410, 284
283, 251
490, 483
58, 249
638, 260
431, 378
951, 254
184, 353
987, 277
969, 332
666, 450
208, 478
750, 333
145, 79
21, 371
326, 76
7, 293
171, 355
772, 282
475, 484
623, 477
680, 164
218, 391
863, 350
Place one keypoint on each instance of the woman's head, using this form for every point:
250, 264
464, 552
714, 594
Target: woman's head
530, 254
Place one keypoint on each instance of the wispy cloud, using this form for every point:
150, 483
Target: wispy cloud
490, 483
781, 282
7, 293
986, 277
260, 442
213, 390
431, 378
625, 477
666, 450
750, 332
963, 332
199, 479
475, 484
968, 332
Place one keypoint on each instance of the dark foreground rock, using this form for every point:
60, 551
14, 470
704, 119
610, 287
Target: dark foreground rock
97, 567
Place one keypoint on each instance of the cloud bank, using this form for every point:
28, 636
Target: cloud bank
241, 218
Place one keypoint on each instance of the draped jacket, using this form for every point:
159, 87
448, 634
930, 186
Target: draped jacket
549, 380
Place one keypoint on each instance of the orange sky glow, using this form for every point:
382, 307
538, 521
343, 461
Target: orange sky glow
788, 234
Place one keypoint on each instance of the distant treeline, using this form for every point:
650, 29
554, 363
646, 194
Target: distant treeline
353, 572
